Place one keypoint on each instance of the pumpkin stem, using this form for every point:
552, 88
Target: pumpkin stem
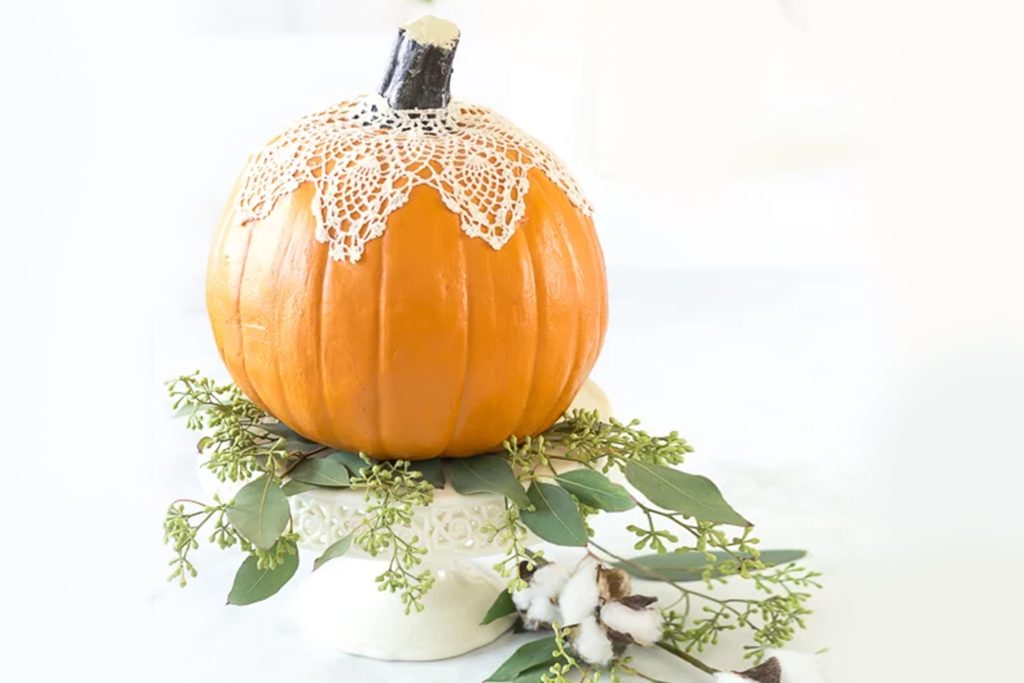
420, 71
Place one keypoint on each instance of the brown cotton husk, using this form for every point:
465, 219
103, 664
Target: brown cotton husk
638, 601
527, 569
620, 641
769, 671
613, 584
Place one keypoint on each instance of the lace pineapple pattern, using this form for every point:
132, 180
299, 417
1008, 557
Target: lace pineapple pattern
363, 160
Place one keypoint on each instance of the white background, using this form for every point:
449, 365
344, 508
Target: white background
812, 214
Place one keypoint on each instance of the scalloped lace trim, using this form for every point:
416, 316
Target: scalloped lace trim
363, 159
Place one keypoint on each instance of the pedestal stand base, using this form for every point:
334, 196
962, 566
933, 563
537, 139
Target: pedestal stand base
339, 606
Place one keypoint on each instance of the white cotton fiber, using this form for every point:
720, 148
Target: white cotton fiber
591, 643
579, 597
643, 625
545, 584
798, 667
542, 611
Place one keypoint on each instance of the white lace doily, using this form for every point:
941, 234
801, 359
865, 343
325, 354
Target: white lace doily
363, 159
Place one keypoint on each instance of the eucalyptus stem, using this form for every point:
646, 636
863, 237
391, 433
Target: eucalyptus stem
688, 658
193, 501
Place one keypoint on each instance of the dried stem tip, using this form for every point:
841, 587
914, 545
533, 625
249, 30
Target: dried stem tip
419, 74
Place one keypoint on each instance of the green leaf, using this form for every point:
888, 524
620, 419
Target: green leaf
320, 472
260, 512
534, 654
286, 432
293, 487
502, 607
555, 516
594, 489
534, 675
185, 410
336, 549
487, 474
690, 494
253, 584
352, 462
690, 566
431, 471
299, 446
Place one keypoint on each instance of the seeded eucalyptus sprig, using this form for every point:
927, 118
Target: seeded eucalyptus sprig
239, 439
184, 520
393, 492
551, 485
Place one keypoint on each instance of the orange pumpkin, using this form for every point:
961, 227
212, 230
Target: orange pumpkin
433, 343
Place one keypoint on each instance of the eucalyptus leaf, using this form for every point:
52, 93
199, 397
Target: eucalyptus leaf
260, 512
555, 516
352, 462
502, 607
293, 487
253, 584
185, 410
431, 470
594, 489
690, 494
487, 474
321, 472
533, 654
336, 549
534, 675
681, 567
299, 446
285, 432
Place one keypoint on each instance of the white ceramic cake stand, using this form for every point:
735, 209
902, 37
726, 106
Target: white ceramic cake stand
340, 606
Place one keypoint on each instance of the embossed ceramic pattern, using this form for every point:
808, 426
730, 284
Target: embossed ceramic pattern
452, 527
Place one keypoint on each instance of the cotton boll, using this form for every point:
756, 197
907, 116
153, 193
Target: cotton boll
541, 612
578, 599
522, 599
729, 677
591, 643
544, 585
549, 579
798, 667
644, 626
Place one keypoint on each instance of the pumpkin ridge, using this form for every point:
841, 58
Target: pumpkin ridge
595, 325
318, 316
602, 322
551, 193
377, 437
466, 296
285, 412
238, 316
536, 337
